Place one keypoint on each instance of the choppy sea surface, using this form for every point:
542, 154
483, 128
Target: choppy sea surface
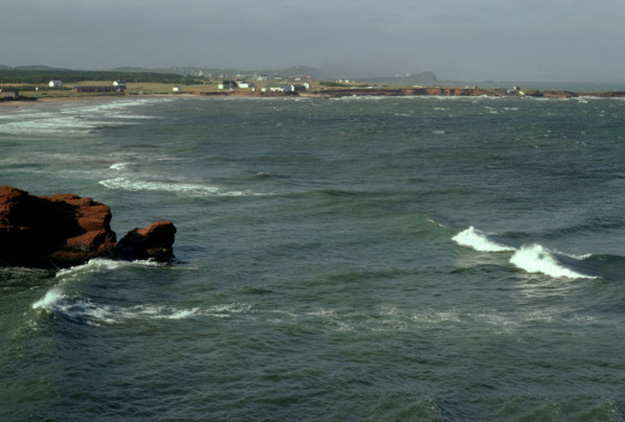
357, 259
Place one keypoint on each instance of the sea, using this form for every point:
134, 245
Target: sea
351, 259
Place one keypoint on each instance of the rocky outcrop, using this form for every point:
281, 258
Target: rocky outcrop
65, 230
153, 242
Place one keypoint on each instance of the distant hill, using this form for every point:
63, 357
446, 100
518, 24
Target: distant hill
424, 78
42, 75
39, 67
181, 73
215, 72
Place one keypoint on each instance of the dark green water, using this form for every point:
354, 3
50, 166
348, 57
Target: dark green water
359, 259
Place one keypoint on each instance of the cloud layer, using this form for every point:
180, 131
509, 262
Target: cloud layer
457, 39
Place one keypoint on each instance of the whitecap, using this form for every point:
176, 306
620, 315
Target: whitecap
51, 299
119, 166
537, 259
479, 241
164, 186
103, 264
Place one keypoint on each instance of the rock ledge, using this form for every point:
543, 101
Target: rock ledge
65, 230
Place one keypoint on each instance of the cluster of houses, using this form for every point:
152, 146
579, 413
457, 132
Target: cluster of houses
284, 88
118, 86
231, 85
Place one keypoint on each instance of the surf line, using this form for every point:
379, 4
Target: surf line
532, 258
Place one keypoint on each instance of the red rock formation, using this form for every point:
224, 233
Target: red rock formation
64, 230
152, 242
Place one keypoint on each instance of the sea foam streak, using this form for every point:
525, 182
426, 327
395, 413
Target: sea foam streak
537, 259
479, 241
182, 188
84, 311
72, 118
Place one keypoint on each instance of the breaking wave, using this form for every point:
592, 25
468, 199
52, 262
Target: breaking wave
103, 264
479, 241
537, 259
532, 259
73, 307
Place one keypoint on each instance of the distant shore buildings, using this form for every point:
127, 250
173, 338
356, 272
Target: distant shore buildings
118, 86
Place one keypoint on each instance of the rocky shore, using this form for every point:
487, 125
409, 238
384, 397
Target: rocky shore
456, 92
420, 91
66, 230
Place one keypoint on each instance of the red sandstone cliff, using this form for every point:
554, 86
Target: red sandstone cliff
65, 230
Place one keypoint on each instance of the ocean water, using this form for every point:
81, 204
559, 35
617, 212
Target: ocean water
357, 259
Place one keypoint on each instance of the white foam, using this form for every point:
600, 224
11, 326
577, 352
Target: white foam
47, 125
152, 312
139, 185
537, 259
52, 298
94, 314
102, 264
183, 188
479, 241
183, 313
119, 166
72, 118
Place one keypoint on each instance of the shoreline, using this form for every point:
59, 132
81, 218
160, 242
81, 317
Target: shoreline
70, 99
329, 93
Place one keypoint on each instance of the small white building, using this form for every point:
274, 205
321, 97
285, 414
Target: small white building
55, 84
176, 89
120, 84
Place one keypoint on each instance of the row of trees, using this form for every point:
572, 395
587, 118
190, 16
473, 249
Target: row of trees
21, 76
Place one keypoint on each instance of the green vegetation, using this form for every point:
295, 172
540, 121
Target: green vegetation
333, 84
43, 76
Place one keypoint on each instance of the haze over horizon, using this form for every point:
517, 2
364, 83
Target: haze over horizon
566, 40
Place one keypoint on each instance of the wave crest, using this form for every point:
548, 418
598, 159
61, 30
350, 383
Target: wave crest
537, 259
479, 241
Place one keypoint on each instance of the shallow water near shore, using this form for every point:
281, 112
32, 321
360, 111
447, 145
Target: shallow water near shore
417, 258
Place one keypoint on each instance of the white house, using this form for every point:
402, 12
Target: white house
119, 84
56, 84
176, 89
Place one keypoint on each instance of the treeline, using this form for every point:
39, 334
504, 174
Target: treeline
21, 76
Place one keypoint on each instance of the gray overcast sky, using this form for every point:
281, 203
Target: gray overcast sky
573, 40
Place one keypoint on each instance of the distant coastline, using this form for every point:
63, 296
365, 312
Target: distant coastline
389, 91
